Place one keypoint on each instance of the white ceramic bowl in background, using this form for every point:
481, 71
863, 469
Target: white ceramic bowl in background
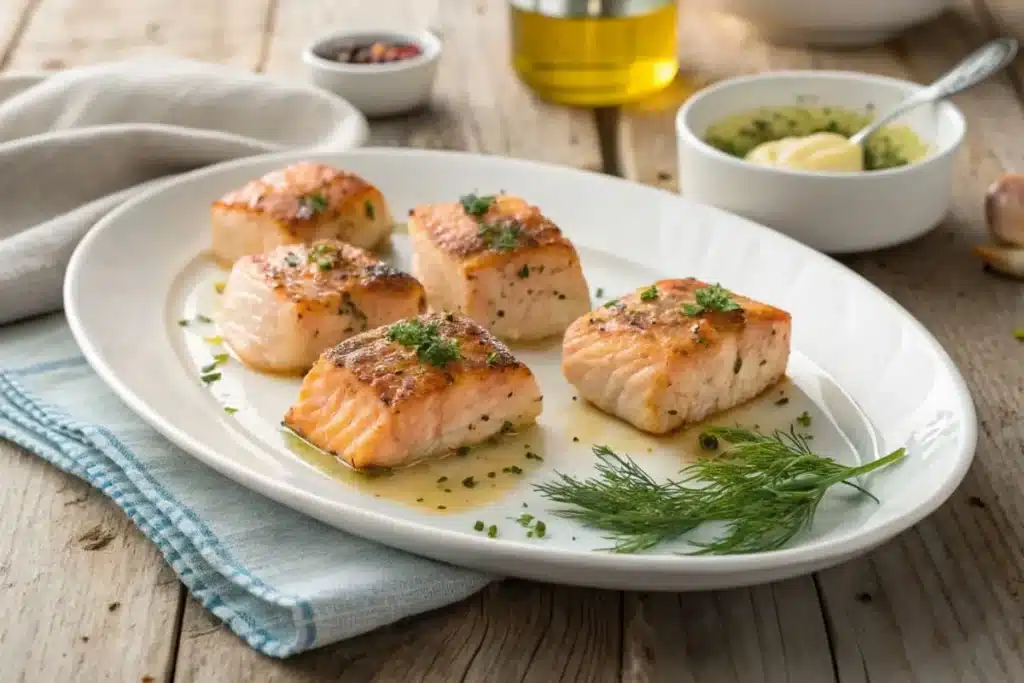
833, 22
376, 89
832, 212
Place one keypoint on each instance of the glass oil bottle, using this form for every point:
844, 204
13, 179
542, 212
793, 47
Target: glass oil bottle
594, 53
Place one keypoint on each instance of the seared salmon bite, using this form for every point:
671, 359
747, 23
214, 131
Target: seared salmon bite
501, 262
676, 352
282, 309
414, 389
298, 204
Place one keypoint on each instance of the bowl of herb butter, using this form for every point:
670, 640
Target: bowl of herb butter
774, 147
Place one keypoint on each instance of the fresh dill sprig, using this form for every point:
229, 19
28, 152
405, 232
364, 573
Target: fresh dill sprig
765, 489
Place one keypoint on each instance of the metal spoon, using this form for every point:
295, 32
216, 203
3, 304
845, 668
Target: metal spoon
978, 66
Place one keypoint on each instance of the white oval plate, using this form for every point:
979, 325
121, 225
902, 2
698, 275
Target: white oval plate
873, 377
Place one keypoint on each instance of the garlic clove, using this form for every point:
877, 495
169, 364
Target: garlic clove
1005, 260
1004, 209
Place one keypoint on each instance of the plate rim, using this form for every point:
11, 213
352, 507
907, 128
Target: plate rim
826, 552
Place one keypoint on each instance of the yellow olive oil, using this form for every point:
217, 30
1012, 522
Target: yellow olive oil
594, 53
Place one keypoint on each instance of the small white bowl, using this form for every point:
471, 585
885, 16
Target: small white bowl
376, 89
829, 211
833, 22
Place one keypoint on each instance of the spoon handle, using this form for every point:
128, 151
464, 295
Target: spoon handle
975, 68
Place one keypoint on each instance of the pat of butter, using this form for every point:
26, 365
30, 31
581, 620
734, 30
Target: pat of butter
817, 152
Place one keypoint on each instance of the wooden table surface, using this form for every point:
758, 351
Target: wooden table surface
942, 602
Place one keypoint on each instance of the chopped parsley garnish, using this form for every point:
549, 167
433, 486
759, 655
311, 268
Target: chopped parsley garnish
540, 528
475, 205
229, 410
368, 209
508, 428
215, 339
182, 323
530, 455
312, 204
512, 469
1018, 334
711, 298
430, 345
492, 358
323, 255
469, 482
599, 293
611, 304
479, 526
525, 519
782, 401
501, 236
209, 377
204, 318
492, 531
649, 294
292, 259
804, 419
524, 272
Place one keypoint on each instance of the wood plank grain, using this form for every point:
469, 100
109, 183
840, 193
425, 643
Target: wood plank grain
942, 602
768, 633
515, 631
74, 32
83, 595
512, 631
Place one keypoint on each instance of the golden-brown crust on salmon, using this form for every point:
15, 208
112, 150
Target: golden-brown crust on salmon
464, 236
395, 372
317, 277
296, 194
662, 316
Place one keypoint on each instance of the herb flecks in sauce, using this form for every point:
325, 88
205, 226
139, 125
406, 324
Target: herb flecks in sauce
649, 294
430, 345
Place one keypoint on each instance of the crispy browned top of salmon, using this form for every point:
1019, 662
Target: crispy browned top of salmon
320, 273
508, 224
396, 372
297, 194
666, 311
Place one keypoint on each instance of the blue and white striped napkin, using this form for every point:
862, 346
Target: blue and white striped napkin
282, 581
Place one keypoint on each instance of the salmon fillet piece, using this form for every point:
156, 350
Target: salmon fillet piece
415, 389
500, 261
282, 309
676, 352
298, 204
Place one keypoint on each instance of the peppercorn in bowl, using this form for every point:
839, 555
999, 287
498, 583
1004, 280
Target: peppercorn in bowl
382, 73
